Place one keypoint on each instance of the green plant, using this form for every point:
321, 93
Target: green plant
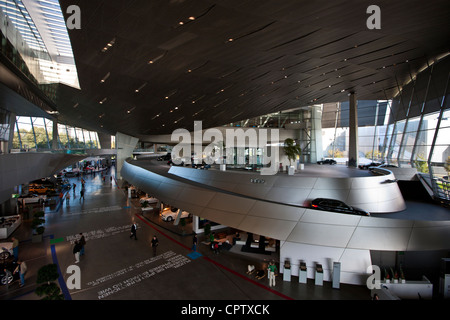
207, 229
48, 288
291, 149
37, 222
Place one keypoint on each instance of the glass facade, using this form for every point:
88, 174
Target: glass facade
33, 133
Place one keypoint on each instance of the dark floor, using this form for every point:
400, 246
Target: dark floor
116, 267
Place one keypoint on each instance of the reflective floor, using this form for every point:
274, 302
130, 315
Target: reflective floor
117, 267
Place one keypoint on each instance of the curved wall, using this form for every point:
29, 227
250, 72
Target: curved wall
305, 235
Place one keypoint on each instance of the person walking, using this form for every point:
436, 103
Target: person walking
82, 194
76, 251
133, 231
272, 268
22, 270
15, 248
155, 243
194, 243
82, 243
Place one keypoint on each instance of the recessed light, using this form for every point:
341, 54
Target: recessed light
181, 23
191, 18
103, 101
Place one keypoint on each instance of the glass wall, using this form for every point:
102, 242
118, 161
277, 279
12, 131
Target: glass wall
36, 134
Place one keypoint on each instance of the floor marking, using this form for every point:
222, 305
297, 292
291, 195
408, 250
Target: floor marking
194, 255
62, 283
220, 265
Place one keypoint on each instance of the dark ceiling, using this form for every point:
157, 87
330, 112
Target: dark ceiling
231, 60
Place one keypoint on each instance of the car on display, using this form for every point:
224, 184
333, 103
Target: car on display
327, 161
39, 189
366, 166
6, 250
382, 166
169, 214
10, 266
336, 206
148, 200
32, 198
165, 157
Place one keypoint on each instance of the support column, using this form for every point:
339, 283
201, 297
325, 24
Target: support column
125, 145
353, 124
55, 135
316, 134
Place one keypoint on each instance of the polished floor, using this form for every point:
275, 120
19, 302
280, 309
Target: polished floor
117, 267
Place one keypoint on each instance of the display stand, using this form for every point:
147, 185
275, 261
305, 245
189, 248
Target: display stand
9, 225
319, 275
302, 274
287, 271
336, 275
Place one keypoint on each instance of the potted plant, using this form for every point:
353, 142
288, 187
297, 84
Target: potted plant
387, 278
395, 274
48, 288
37, 226
292, 150
402, 276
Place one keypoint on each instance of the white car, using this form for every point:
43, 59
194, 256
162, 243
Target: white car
33, 198
148, 200
169, 215
6, 250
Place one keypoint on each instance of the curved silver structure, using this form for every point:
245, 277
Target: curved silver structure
306, 235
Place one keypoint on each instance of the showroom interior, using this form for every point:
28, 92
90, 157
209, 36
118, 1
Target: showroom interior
179, 116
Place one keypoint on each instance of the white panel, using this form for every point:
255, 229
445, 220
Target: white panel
325, 217
272, 210
225, 202
295, 182
197, 196
286, 195
333, 183
385, 222
390, 239
339, 194
226, 218
354, 264
277, 229
320, 234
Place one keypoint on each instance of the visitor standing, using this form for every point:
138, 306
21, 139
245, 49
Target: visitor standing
21, 269
155, 243
15, 248
272, 268
82, 243
194, 243
76, 251
133, 231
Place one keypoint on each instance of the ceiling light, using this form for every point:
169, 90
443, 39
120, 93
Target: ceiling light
105, 77
191, 18
76, 105
141, 87
181, 23
103, 101
109, 45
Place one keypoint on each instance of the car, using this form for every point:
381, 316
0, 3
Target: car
6, 250
39, 189
165, 157
32, 198
169, 214
10, 266
148, 200
382, 166
336, 206
327, 161
367, 165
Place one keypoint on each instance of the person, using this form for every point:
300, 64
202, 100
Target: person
82, 243
155, 243
22, 269
194, 243
133, 231
211, 237
76, 251
82, 194
272, 268
67, 198
15, 248
74, 187
8, 276
236, 237
216, 247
